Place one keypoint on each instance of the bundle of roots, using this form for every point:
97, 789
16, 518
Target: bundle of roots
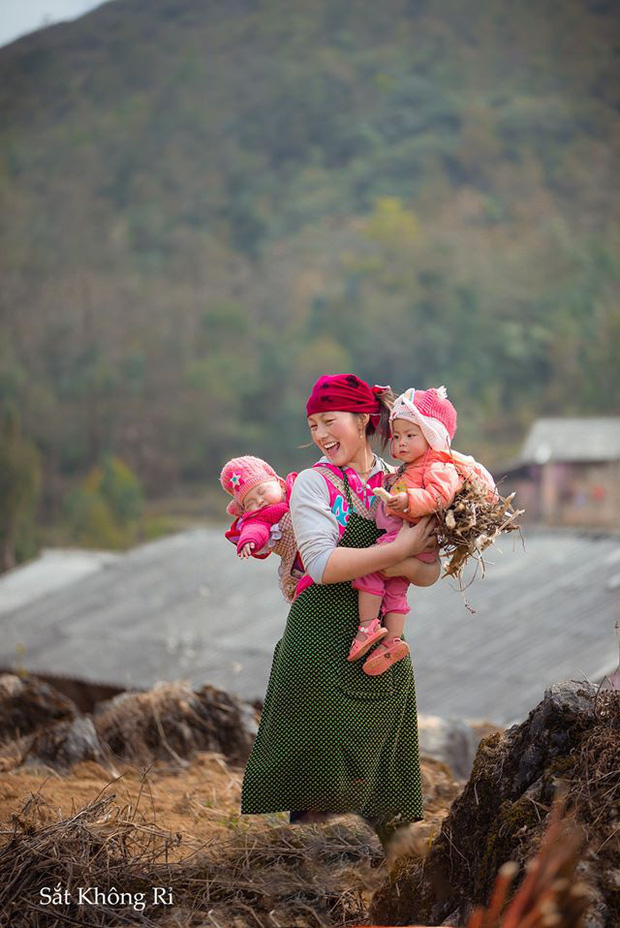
471, 523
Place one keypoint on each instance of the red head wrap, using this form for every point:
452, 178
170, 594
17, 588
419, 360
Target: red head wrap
345, 393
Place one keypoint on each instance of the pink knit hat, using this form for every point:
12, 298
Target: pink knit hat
432, 411
240, 475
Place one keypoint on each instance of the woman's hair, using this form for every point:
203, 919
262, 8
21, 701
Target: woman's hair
382, 429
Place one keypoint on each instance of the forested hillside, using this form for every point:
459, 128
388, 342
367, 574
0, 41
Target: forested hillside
207, 204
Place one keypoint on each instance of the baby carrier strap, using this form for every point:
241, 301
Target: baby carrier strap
285, 545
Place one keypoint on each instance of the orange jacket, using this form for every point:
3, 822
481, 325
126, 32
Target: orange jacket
434, 479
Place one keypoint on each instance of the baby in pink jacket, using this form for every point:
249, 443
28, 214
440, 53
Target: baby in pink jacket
262, 522
423, 425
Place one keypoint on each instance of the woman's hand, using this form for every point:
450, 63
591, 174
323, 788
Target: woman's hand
416, 571
417, 539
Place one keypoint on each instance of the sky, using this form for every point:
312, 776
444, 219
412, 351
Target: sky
18, 17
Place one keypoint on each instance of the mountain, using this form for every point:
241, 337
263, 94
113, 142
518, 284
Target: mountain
207, 204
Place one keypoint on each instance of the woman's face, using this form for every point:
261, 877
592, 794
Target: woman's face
339, 435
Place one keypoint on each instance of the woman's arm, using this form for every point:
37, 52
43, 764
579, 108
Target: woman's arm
417, 572
350, 563
314, 524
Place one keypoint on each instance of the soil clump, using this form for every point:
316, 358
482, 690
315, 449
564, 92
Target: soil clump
570, 741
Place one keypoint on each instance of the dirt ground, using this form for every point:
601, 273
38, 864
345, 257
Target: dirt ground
199, 804
189, 818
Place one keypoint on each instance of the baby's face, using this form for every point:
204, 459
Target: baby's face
408, 443
263, 494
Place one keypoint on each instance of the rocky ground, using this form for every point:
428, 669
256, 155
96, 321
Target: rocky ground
144, 790
569, 744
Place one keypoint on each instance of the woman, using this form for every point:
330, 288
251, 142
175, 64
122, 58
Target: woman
333, 739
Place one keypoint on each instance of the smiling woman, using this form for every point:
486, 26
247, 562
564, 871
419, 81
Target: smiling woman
337, 435
332, 739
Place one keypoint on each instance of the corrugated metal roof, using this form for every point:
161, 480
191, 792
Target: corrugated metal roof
53, 569
594, 439
186, 607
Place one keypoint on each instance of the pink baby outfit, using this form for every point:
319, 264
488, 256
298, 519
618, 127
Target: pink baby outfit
271, 530
256, 526
393, 590
430, 481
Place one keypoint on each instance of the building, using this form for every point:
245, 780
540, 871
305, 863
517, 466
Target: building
568, 473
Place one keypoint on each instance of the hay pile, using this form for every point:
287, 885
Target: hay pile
474, 521
27, 704
100, 846
41, 727
63, 745
172, 722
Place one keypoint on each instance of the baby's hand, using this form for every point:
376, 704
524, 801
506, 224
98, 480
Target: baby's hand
383, 494
246, 551
397, 502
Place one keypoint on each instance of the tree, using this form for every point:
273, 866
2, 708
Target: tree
20, 480
105, 510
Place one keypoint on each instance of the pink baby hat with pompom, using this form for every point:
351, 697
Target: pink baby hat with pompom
432, 411
240, 475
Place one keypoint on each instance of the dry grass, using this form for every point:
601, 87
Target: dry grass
594, 787
181, 828
267, 876
171, 722
171, 819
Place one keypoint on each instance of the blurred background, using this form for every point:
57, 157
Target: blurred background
205, 205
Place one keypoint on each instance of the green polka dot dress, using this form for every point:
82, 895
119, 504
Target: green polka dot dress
332, 738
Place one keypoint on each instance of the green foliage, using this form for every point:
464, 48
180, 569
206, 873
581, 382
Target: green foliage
120, 488
12, 377
393, 226
106, 510
20, 481
209, 209
90, 522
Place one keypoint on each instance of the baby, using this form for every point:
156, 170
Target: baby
262, 521
423, 424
